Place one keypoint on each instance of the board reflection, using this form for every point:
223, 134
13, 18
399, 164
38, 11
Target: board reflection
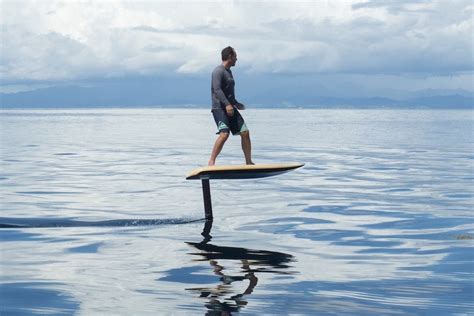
234, 287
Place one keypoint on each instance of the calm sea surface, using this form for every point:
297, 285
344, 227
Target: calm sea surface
97, 217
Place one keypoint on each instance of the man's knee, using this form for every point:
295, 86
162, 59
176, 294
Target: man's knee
224, 135
245, 133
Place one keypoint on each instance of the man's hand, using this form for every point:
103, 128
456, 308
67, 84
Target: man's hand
230, 110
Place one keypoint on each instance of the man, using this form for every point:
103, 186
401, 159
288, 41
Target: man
225, 108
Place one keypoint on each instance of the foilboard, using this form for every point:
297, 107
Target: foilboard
241, 171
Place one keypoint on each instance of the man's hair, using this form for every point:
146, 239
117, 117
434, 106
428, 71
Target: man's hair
227, 53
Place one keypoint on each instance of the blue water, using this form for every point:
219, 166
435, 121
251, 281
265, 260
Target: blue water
97, 217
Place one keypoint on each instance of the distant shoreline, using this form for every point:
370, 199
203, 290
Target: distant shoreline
250, 107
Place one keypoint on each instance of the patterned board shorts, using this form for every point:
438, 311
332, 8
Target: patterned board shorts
235, 123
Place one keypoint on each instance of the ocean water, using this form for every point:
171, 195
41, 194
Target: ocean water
98, 219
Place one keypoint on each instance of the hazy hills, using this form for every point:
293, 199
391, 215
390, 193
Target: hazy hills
190, 91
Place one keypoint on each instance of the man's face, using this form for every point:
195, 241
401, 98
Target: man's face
233, 59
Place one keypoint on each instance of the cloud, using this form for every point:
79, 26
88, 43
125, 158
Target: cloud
27, 53
68, 40
395, 6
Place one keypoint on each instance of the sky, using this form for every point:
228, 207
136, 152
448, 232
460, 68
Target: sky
384, 48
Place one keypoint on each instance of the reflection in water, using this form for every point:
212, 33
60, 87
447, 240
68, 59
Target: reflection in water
221, 297
7, 222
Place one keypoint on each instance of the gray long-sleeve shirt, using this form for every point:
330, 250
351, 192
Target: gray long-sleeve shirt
222, 88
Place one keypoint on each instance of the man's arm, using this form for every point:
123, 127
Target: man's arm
216, 86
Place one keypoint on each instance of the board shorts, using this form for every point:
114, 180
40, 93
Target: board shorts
235, 123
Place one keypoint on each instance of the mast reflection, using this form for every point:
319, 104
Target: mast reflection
223, 298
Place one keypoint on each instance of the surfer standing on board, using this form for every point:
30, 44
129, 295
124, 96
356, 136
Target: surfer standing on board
225, 108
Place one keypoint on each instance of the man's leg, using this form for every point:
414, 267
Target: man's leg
218, 145
246, 147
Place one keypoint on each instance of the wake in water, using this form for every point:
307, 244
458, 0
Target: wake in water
6, 222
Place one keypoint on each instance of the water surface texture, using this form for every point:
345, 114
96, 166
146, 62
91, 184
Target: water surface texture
97, 217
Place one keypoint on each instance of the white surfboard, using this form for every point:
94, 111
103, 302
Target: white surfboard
241, 171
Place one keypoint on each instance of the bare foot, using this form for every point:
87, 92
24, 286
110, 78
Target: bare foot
250, 163
211, 163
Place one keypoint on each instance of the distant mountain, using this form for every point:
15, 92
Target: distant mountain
443, 101
119, 94
196, 92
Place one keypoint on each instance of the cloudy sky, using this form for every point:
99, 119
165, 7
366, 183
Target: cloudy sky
372, 46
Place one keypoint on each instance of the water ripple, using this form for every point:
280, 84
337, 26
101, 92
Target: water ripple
64, 222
